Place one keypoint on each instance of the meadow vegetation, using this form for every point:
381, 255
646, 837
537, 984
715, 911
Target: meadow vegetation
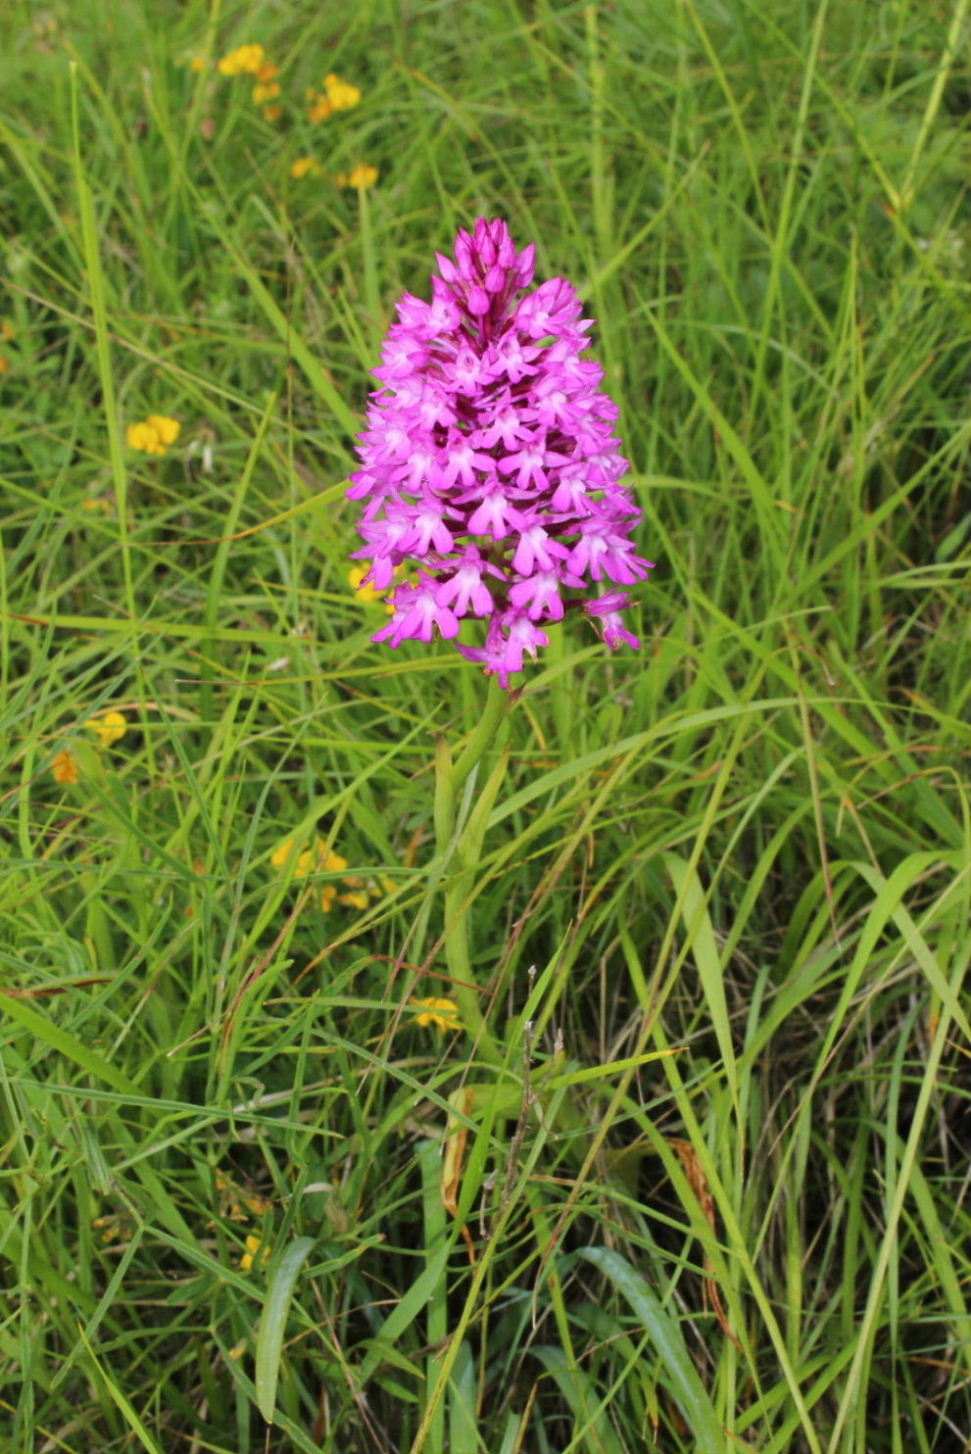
716, 1195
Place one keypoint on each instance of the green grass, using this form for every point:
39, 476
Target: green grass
722, 904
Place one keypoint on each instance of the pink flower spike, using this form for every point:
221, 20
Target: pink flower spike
506, 644
523, 637
607, 609
604, 552
495, 517
571, 494
506, 424
524, 268
490, 464
478, 300
537, 594
464, 463
416, 614
536, 547
429, 530
528, 462
513, 359
466, 587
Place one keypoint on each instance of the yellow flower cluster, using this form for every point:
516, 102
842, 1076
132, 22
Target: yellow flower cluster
337, 95
305, 167
443, 1014
318, 859
267, 86
64, 767
109, 727
369, 595
154, 434
250, 60
254, 1250
310, 860
245, 60
360, 177
111, 1226
236, 1203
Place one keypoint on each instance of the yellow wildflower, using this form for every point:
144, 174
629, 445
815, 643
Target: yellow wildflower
443, 1014
64, 768
319, 108
154, 434
245, 60
168, 430
360, 177
197, 64
237, 1204
281, 854
329, 862
142, 436
7, 331
311, 860
358, 899
112, 1226
265, 91
254, 1249
369, 594
97, 503
306, 167
4, 365
341, 94
109, 727
357, 892
267, 88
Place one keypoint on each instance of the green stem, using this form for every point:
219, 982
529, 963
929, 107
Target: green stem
450, 778
496, 707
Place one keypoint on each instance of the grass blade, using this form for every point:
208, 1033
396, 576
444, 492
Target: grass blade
682, 1375
273, 1323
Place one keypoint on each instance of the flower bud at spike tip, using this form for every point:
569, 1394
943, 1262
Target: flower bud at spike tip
489, 466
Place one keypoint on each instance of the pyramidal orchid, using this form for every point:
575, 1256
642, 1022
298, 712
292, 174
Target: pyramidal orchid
490, 469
